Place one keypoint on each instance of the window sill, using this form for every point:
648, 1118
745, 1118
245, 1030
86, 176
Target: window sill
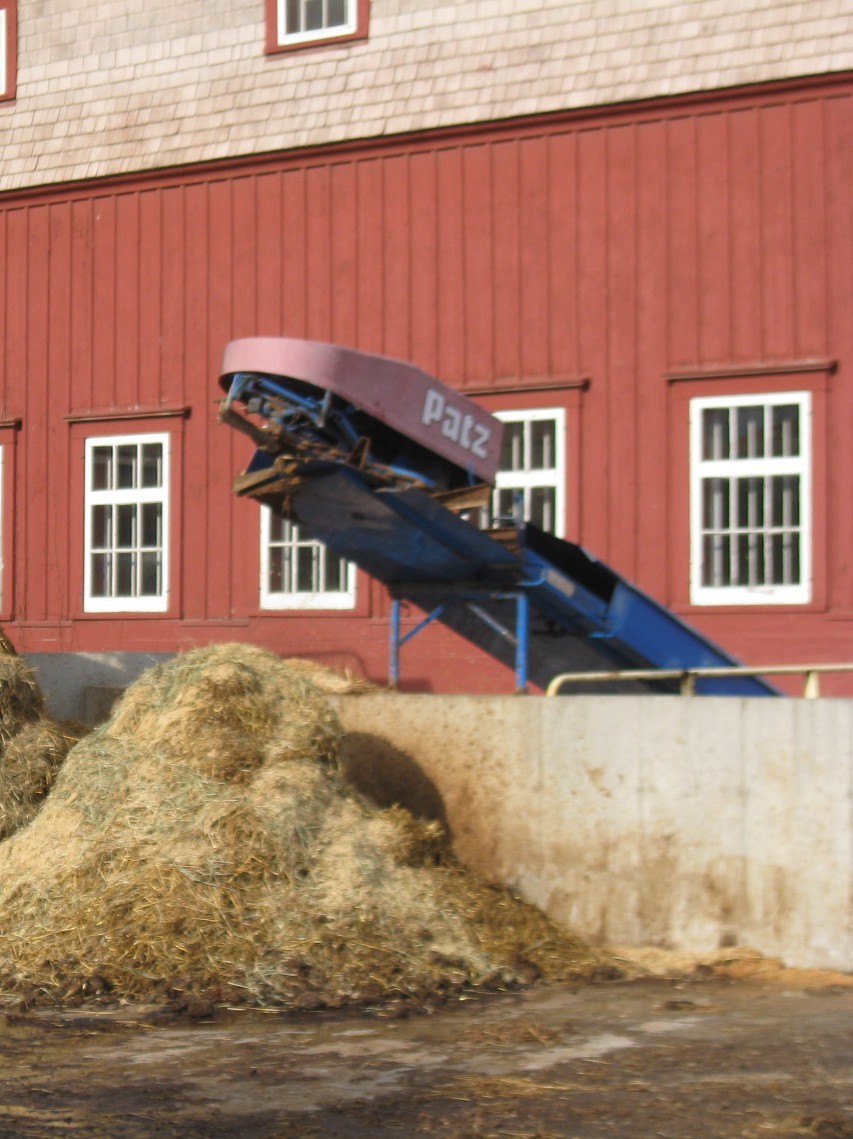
314, 610
125, 615
314, 44
756, 602
691, 610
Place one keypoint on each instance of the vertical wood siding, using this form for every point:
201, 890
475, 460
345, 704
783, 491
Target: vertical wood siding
617, 248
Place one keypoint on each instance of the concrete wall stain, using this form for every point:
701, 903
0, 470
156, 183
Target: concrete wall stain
657, 835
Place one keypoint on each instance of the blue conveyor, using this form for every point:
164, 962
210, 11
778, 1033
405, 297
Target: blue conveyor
538, 604
541, 605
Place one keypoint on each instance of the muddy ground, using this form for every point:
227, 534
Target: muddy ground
709, 1059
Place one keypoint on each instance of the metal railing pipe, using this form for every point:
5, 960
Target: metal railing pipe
687, 677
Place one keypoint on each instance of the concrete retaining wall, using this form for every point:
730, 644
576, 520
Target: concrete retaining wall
83, 686
683, 823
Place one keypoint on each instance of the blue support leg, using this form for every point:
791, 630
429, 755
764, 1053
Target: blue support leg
394, 665
522, 636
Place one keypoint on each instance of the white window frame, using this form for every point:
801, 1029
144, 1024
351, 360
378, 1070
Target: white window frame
285, 39
794, 593
301, 599
530, 478
4, 47
150, 603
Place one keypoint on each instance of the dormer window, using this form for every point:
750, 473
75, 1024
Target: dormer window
304, 23
8, 48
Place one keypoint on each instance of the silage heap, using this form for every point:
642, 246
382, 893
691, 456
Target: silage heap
32, 745
203, 840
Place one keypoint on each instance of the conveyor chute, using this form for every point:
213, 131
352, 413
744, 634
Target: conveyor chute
378, 460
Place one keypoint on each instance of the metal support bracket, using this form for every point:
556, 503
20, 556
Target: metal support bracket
519, 638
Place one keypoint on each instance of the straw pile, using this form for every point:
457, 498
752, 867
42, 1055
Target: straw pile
338, 683
203, 842
32, 745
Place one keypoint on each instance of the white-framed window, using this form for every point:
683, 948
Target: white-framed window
298, 572
126, 532
750, 500
4, 47
303, 21
532, 468
8, 47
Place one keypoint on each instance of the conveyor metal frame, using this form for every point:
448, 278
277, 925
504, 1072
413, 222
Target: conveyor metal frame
519, 639
366, 453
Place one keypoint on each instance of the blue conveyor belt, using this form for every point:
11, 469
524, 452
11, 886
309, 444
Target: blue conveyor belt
343, 454
582, 616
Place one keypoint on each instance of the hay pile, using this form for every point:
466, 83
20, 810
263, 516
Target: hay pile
343, 683
32, 745
203, 841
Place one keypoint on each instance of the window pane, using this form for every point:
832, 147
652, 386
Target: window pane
149, 583
785, 499
292, 17
505, 505
304, 570
750, 559
101, 575
716, 560
785, 559
715, 504
102, 468
542, 449
512, 448
750, 432
152, 464
126, 527
716, 443
336, 574
152, 515
102, 527
750, 503
313, 15
337, 13
124, 575
275, 572
126, 458
786, 430
542, 507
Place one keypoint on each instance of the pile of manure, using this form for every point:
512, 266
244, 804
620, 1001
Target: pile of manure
32, 745
203, 842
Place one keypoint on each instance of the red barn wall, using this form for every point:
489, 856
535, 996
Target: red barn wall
612, 262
